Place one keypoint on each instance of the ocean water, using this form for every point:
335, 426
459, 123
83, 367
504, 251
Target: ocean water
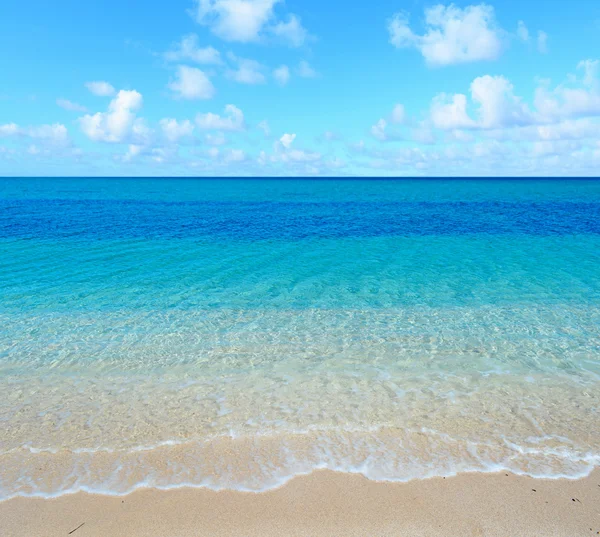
234, 333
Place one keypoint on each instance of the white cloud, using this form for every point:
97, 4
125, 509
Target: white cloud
305, 70
233, 120
174, 130
235, 20
571, 129
398, 114
522, 32
497, 106
248, 71
542, 42
188, 49
55, 135
580, 98
247, 21
452, 35
192, 83
378, 130
284, 152
133, 151
291, 32
70, 106
9, 129
119, 122
287, 140
100, 88
450, 112
282, 75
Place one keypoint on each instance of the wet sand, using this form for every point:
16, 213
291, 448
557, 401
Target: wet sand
325, 504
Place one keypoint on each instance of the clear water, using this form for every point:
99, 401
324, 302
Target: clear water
235, 333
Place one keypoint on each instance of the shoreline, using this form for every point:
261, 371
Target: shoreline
325, 503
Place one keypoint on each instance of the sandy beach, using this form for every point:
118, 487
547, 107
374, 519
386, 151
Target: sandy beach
325, 504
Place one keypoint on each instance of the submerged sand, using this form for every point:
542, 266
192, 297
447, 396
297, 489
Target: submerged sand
325, 504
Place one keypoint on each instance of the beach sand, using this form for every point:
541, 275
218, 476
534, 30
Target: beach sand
325, 504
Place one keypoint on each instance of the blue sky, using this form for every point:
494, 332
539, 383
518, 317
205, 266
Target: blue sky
268, 87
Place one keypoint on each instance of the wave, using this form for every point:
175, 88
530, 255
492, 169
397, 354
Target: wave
262, 463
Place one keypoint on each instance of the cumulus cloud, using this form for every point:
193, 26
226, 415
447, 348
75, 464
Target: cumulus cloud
235, 20
55, 135
291, 32
232, 120
569, 129
579, 98
378, 130
282, 75
450, 112
133, 151
70, 106
287, 140
100, 88
247, 21
285, 152
496, 104
119, 123
174, 130
188, 49
191, 83
9, 129
247, 71
452, 35
568, 111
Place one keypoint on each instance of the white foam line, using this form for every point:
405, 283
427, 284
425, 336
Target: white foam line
588, 461
282, 481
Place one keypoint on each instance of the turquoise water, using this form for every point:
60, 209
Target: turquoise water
234, 333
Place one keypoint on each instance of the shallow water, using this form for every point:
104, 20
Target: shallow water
232, 334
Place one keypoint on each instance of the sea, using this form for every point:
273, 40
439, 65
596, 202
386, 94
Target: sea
235, 333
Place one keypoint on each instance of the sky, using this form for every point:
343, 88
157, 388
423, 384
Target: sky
299, 88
